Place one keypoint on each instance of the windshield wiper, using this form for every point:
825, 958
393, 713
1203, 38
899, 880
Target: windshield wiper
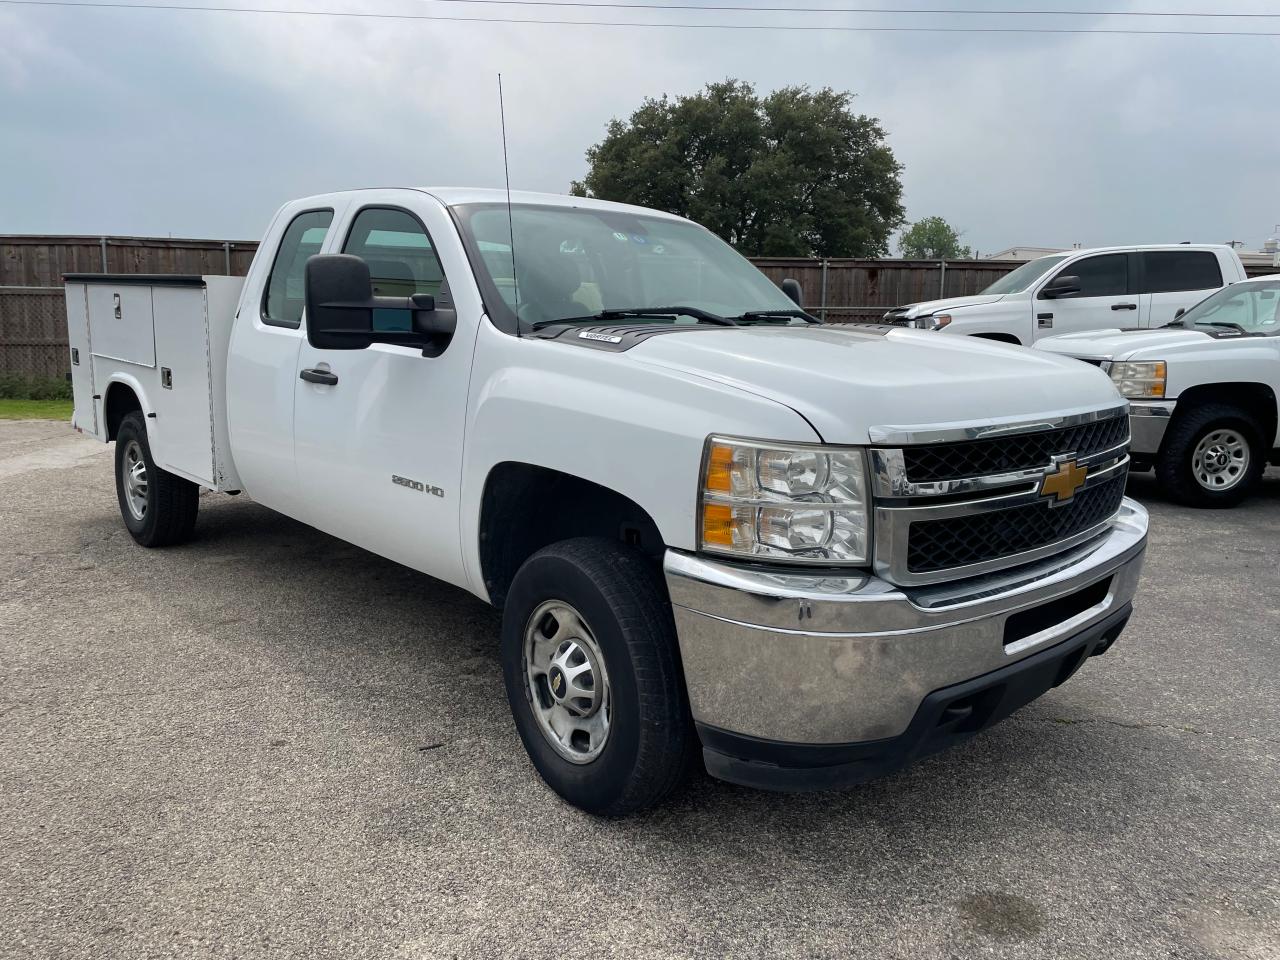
641, 313
1226, 324
777, 315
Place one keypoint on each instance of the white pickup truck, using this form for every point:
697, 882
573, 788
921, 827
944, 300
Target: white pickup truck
1202, 391
1082, 290
816, 553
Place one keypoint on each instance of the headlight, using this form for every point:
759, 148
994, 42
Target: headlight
934, 321
794, 503
1143, 380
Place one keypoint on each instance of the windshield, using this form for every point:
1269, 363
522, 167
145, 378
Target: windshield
1024, 276
1248, 307
577, 262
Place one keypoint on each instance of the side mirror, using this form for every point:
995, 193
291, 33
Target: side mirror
339, 302
1177, 314
792, 289
343, 313
1061, 286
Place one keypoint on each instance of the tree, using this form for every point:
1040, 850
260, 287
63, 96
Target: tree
932, 239
795, 173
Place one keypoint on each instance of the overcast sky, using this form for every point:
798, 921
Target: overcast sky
201, 124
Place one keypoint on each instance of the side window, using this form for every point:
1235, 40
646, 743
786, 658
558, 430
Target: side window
1103, 276
1168, 271
398, 250
283, 299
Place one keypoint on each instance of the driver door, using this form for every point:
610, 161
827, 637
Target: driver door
1104, 299
378, 432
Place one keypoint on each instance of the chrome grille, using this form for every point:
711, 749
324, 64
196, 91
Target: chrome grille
975, 499
976, 458
976, 538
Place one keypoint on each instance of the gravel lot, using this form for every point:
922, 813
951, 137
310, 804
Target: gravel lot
269, 743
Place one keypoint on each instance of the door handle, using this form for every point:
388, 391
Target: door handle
312, 375
1124, 306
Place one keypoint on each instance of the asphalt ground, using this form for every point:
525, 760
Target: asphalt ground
268, 743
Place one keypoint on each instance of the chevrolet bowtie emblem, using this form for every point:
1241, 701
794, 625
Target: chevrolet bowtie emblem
1063, 482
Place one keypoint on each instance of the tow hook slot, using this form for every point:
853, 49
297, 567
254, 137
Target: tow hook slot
966, 714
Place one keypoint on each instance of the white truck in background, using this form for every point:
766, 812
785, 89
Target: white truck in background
1082, 290
711, 522
1202, 391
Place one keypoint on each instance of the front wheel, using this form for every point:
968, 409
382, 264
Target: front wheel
1211, 457
592, 671
158, 508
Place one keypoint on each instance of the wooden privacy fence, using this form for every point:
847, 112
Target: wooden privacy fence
33, 316
860, 291
33, 325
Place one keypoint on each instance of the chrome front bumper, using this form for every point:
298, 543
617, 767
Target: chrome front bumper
1148, 420
803, 659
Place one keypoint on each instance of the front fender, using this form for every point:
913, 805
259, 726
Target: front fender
1224, 361
1004, 318
633, 428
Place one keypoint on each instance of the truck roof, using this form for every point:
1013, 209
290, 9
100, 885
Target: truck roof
1216, 247
456, 196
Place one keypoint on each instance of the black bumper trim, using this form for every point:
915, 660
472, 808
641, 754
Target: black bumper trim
945, 717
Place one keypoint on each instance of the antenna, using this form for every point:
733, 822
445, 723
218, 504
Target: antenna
511, 230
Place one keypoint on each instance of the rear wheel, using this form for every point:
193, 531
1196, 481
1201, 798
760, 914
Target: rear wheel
1211, 457
592, 671
158, 508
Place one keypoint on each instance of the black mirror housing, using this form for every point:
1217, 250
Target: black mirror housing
338, 296
793, 290
1061, 286
343, 314
1177, 315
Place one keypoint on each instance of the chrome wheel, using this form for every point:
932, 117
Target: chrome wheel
566, 681
133, 475
1220, 460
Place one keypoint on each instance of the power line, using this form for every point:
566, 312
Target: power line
627, 5
834, 28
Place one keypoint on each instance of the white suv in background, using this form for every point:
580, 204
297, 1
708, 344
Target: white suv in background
1082, 290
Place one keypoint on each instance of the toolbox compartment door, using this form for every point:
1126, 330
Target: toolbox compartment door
182, 435
84, 417
123, 324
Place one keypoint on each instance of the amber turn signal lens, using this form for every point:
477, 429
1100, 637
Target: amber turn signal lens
720, 469
717, 524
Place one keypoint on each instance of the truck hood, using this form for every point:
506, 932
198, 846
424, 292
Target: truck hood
925, 307
1113, 344
846, 380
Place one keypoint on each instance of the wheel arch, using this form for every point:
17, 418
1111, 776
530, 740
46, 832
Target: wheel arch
525, 507
122, 396
998, 337
1256, 400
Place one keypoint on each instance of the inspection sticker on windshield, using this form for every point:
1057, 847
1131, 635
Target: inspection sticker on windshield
602, 337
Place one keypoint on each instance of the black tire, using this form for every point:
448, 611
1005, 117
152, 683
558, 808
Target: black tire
171, 502
1175, 466
620, 596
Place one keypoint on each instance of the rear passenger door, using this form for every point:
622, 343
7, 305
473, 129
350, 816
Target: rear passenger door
263, 358
1175, 279
1104, 299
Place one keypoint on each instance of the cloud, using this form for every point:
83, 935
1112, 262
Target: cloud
201, 124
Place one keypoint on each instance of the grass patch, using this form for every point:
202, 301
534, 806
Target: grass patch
35, 409
14, 387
